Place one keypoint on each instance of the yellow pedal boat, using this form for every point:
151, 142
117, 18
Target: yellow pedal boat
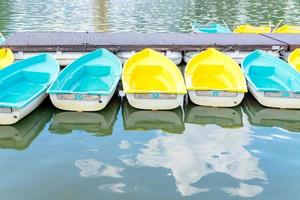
287, 29
6, 57
214, 79
247, 28
294, 59
152, 81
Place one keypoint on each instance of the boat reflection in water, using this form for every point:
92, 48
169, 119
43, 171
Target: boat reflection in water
98, 123
203, 151
223, 117
170, 121
20, 135
259, 115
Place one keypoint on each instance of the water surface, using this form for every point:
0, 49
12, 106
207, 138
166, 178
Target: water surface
123, 153
246, 152
142, 16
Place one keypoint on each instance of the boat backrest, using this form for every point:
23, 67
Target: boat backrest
210, 69
261, 71
147, 70
97, 70
36, 77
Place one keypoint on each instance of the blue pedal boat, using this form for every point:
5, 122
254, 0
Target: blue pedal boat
210, 27
23, 86
88, 83
272, 81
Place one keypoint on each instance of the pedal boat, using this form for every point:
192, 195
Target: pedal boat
152, 81
23, 86
247, 28
287, 29
6, 57
88, 83
210, 27
273, 82
214, 79
294, 59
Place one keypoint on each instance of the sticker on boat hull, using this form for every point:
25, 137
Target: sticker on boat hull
79, 97
6, 110
155, 96
216, 93
283, 94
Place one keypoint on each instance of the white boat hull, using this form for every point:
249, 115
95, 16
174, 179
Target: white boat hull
17, 115
81, 105
175, 56
275, 102
238, 56
215, 101
155, 104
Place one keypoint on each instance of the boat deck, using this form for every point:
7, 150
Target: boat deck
88, 41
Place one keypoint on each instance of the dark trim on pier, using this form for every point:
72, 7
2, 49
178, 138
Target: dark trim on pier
292, 40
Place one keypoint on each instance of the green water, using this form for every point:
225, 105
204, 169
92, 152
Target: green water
124, 153
143, 15
246, 152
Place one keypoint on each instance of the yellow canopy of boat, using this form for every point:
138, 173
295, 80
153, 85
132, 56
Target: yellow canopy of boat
214, 70
6, 57
294, 59
287, 29
149, 71
247, 28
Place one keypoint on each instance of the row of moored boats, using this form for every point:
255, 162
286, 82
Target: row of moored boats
150, 81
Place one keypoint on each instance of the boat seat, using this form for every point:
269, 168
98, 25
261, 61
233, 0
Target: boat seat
261, 71
89, 78
263, 76
213, 76
97, 70
24, 76
151, 78
36, 77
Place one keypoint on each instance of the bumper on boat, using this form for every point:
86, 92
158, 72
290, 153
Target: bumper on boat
81, 105
155, 104
215, 101
7, 118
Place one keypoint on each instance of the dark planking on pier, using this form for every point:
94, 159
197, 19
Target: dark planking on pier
88, 41
292, 40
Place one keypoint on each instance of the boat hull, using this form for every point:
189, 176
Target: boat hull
18, 114
81, 105
215, 101
275, 102
88, 83
155, 104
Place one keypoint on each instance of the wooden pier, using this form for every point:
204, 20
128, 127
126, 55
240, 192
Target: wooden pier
88, 41
68, 46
